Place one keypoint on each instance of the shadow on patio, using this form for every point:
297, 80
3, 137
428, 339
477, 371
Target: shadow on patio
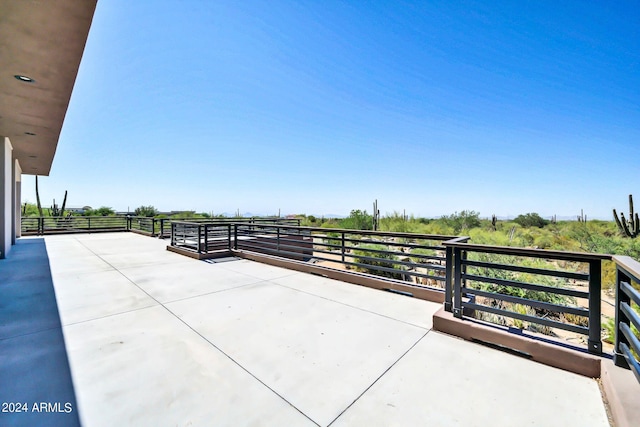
34, 367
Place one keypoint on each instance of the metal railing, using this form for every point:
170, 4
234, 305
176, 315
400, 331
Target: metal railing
73, 224
201, 237
160, 227
414, 259
550, 289
627, 345
418, 259
213, 236
163, 225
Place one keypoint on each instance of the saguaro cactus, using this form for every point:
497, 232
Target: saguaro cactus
376, 215
57, 212
38, 199
630, 227
54, 210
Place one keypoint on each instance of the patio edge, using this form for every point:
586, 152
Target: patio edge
546, 353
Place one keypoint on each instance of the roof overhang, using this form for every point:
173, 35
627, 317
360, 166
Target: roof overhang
43, 40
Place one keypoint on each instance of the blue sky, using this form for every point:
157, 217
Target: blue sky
320, 107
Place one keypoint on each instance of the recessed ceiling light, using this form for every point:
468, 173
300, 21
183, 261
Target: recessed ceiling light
25, 79
30, 133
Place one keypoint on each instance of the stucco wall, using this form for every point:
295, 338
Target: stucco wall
6, 196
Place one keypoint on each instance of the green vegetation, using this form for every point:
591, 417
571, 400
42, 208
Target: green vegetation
357, 220
365, 252
463, 221
148, 211
29, 209
101, 211
422, 255
526, 230
531, 220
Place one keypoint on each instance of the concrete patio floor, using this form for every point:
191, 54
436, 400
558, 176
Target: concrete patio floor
153, 338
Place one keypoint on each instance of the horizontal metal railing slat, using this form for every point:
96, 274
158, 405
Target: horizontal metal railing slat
529, 286
631, 337
532, 270
578, 311
630, 292
540, 320
631, 315
631, 360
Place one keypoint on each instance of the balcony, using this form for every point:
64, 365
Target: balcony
128, 333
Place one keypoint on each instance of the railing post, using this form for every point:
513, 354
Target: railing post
41, 226
278, 239
206, 238
595, 287
457, 282
89, 224
229, 236
464, 267
621, 297
199, 238
448, 280
342, 248
235, 236
173, 235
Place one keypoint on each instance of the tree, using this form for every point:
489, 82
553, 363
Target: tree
101, 211
358, 220
29, 209
531, 220
464, 220
148, 211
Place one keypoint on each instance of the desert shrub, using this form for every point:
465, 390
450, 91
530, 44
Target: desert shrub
521, 309
485, 237
531, 220
148, 211
332, 238
396, 222
543, 241
421, 251
575, 320
438, 227
330, 223
516, 323
384, 260
609, 326
518, 277
462, 221
357, 220
101, 211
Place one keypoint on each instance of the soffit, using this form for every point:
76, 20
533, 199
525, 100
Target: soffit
43, 40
